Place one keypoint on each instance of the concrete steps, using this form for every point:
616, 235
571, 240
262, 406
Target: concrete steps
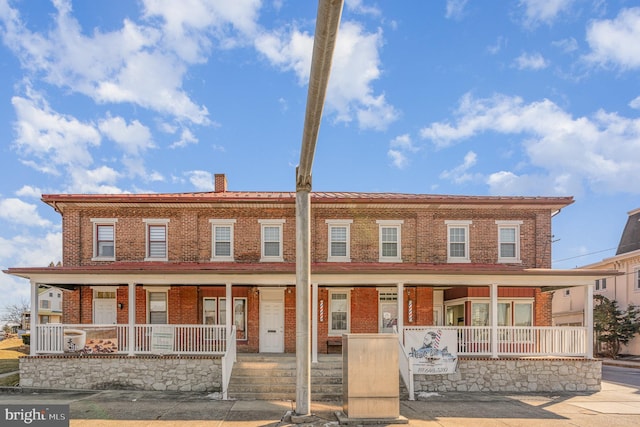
273, 377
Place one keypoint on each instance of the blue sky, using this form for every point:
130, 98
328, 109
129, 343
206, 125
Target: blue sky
530, 97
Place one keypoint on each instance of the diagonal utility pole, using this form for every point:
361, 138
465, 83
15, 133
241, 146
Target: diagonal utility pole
327, 23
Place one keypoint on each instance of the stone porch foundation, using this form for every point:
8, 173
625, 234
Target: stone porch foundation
516, 375
174, 373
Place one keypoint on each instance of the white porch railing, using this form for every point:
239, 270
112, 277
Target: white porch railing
406, 368
551, 341
149, 339
228, 360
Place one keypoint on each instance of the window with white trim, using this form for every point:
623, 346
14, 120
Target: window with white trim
219, 305
636, 278
271, 236
104, 239
157, 308
390, 233
209, 311
338, 312
458, 241
601, 284
339, 240
509, 241
156, 235
222, 240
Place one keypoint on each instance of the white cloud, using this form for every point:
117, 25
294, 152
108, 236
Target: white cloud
398, 159
455, 8
186, 137
459, 174
99, 180
133, 139
29, 191
616, 42
567, 45
600, 151
18, 212
531, 61
543, 11
400, 146
357, 6
635, 103
497, 47
27, 250
53, 138
201, 180
356, 65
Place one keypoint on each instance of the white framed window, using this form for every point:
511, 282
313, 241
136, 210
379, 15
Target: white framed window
390, 238
156, 237
458, 241
215, 313
601, 284
271, 236
104, 239
339, 240
222, 239
636, 278
338, 312
45, 304
509, 241
157, 305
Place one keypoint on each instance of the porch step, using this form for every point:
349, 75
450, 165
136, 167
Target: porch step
273, 377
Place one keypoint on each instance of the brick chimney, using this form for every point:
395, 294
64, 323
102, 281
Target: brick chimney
220, 182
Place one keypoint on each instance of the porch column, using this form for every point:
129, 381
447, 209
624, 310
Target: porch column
493, 293
400, 324
132, 318
33, 321
229, 304
588, 318
314, 323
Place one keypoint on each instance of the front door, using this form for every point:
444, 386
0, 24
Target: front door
104, 311
387, 311
271, 320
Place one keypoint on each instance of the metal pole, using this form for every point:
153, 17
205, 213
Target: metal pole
327, 23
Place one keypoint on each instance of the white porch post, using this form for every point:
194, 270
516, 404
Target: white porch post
493, 291
401, 309
588, 316
132, 318
33, 327
229, 304
314, 323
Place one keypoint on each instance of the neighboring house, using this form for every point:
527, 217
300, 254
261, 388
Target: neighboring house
197, 262
49, 305
568, 304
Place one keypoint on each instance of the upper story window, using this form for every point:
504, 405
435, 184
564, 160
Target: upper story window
104, 239
339, 240
271, 232
601, 284
222, 242
156, 230
458, 241
509, 241
390, 240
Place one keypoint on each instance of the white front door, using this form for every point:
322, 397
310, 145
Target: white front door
387, 311
104, 311
271, 320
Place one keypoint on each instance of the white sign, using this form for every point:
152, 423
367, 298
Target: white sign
433, 351
161, 339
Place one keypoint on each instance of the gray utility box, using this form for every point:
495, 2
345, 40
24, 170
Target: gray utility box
370, 384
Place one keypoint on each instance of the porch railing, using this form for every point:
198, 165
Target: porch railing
228, 360
114, 339
566, 341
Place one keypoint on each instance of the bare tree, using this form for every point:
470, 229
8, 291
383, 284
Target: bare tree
13, 312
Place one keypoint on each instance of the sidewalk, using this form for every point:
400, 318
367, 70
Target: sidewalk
627, 362
614, 405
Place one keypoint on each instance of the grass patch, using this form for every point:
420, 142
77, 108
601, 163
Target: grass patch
10, 381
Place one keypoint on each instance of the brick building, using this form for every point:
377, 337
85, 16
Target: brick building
379, 261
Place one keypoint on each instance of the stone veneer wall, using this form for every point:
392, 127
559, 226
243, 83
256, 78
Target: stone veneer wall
516, 375
185, 373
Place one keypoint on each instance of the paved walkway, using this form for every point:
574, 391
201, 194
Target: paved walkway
614, 405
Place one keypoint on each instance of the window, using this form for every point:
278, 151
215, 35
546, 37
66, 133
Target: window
211, 306
271, 240
523, 314
339, 312
44, 319
458, 241
636, 278
157, 307
104, 239
566, 292
339, 239
509, 241
156, 239
390, 240
601, 284
209, 310
45, 304
480, 314
222, 242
